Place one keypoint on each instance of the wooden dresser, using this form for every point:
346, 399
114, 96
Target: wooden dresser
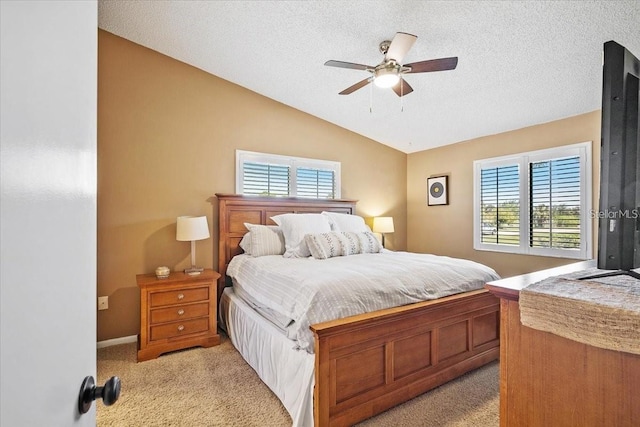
547, 380
177, 312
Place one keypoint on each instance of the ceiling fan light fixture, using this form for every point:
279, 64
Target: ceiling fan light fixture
386, 77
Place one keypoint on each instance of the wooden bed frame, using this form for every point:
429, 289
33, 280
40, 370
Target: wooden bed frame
368, 363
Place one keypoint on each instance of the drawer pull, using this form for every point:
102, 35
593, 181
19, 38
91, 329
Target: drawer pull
180, 328
180, 312
180, 296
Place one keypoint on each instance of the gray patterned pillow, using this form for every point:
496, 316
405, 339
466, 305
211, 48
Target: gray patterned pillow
264, 240
336, 243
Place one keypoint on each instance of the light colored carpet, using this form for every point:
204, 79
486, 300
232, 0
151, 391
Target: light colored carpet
215, 387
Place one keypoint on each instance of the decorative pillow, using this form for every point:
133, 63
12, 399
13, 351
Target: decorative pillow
245, 243
264, 240
346, 222
295, 226
342, 243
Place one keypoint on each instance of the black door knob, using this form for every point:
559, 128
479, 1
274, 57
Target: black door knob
89, 392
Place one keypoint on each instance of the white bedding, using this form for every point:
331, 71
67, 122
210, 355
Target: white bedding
287, 372
309, 291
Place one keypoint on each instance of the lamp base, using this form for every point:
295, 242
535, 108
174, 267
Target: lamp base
193, 271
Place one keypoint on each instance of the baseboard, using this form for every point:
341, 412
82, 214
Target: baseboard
118, 341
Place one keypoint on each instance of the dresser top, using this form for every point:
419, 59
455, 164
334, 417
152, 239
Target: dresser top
510, 287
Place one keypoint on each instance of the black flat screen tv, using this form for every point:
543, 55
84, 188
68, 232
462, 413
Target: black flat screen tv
619, 211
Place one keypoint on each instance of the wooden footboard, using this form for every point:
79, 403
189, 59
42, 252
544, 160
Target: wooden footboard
369, 363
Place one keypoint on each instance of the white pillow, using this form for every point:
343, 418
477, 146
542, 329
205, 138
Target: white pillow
332, 244
245, 243
346, 222
295, 226
264, 240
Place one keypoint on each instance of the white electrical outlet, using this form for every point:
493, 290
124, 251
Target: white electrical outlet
103, 303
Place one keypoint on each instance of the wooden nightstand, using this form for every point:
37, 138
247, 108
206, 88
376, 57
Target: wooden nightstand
177, 312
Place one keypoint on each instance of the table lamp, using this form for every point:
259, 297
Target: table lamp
192, 228
382, 225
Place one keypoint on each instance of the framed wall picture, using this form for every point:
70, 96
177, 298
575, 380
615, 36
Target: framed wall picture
437, 192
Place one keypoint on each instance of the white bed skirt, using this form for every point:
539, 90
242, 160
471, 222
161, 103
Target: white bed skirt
288, 372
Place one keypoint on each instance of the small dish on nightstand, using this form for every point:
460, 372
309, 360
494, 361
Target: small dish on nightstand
162, 272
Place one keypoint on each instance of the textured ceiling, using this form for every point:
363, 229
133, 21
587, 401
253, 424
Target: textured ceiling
520, 62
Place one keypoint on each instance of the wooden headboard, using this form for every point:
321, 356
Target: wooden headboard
234, 210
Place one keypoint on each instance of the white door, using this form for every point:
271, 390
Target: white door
48, 128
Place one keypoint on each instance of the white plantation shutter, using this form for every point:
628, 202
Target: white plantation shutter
535, 203
315, 183
555, 203
265, 180
273, 175
500, 205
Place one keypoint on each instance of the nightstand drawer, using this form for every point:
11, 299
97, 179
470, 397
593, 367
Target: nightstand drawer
187, 311
158, 299
171, 330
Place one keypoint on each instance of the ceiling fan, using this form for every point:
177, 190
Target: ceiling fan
390, 71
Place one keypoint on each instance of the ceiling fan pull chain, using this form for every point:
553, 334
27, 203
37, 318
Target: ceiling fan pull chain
401, 97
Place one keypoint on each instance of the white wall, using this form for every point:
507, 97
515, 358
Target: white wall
48, 210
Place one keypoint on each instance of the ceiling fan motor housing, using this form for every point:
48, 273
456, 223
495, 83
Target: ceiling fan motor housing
384, 46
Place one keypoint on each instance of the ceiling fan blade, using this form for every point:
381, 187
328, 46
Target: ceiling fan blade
356, 86
351, 65
402, 88
399, 46
441, 64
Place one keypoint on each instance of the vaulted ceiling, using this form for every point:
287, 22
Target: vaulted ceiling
520, 62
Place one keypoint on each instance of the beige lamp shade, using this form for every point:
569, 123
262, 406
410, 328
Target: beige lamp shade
191, 228
383, 224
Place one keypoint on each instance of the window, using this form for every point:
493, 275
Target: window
535, 203
273, 175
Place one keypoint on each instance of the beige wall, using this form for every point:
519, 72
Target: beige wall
448, 230
167, 135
